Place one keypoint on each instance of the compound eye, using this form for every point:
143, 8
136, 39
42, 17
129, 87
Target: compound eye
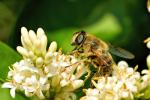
79, 39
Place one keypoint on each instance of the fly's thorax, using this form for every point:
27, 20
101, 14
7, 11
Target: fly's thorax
96, 43
103, 45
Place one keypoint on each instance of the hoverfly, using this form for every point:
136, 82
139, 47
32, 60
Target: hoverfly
97, 52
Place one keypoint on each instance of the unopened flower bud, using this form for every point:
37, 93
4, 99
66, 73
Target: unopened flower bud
40, 32
39, 62
48, 57
24, 31
123, 64
43, 44
32, 37
52, 47
22, 51
37, 48
23, 44
148, 61
148, 44
25, 37
31, 55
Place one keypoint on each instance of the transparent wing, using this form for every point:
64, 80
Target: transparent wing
120, 52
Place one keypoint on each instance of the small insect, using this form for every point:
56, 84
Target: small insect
97, 52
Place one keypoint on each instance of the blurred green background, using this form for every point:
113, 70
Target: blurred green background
124, 23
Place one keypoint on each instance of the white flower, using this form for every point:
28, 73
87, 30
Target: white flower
11, 86
145, 79
27, 78
91, 94
32, 86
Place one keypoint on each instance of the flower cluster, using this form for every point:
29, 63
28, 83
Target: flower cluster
146, 72
145, 85
121, 85
43, 73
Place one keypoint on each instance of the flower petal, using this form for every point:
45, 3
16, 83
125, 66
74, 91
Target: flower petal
12, 92
7, 85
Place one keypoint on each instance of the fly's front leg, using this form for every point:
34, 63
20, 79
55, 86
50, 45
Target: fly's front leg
75, 53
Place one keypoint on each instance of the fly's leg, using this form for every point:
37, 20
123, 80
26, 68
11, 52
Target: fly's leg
83, 70
88, 73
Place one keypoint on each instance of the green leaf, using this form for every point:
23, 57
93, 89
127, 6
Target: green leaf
7, 57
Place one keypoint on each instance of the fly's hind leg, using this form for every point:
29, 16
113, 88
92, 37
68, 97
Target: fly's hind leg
97, 74
88, 73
